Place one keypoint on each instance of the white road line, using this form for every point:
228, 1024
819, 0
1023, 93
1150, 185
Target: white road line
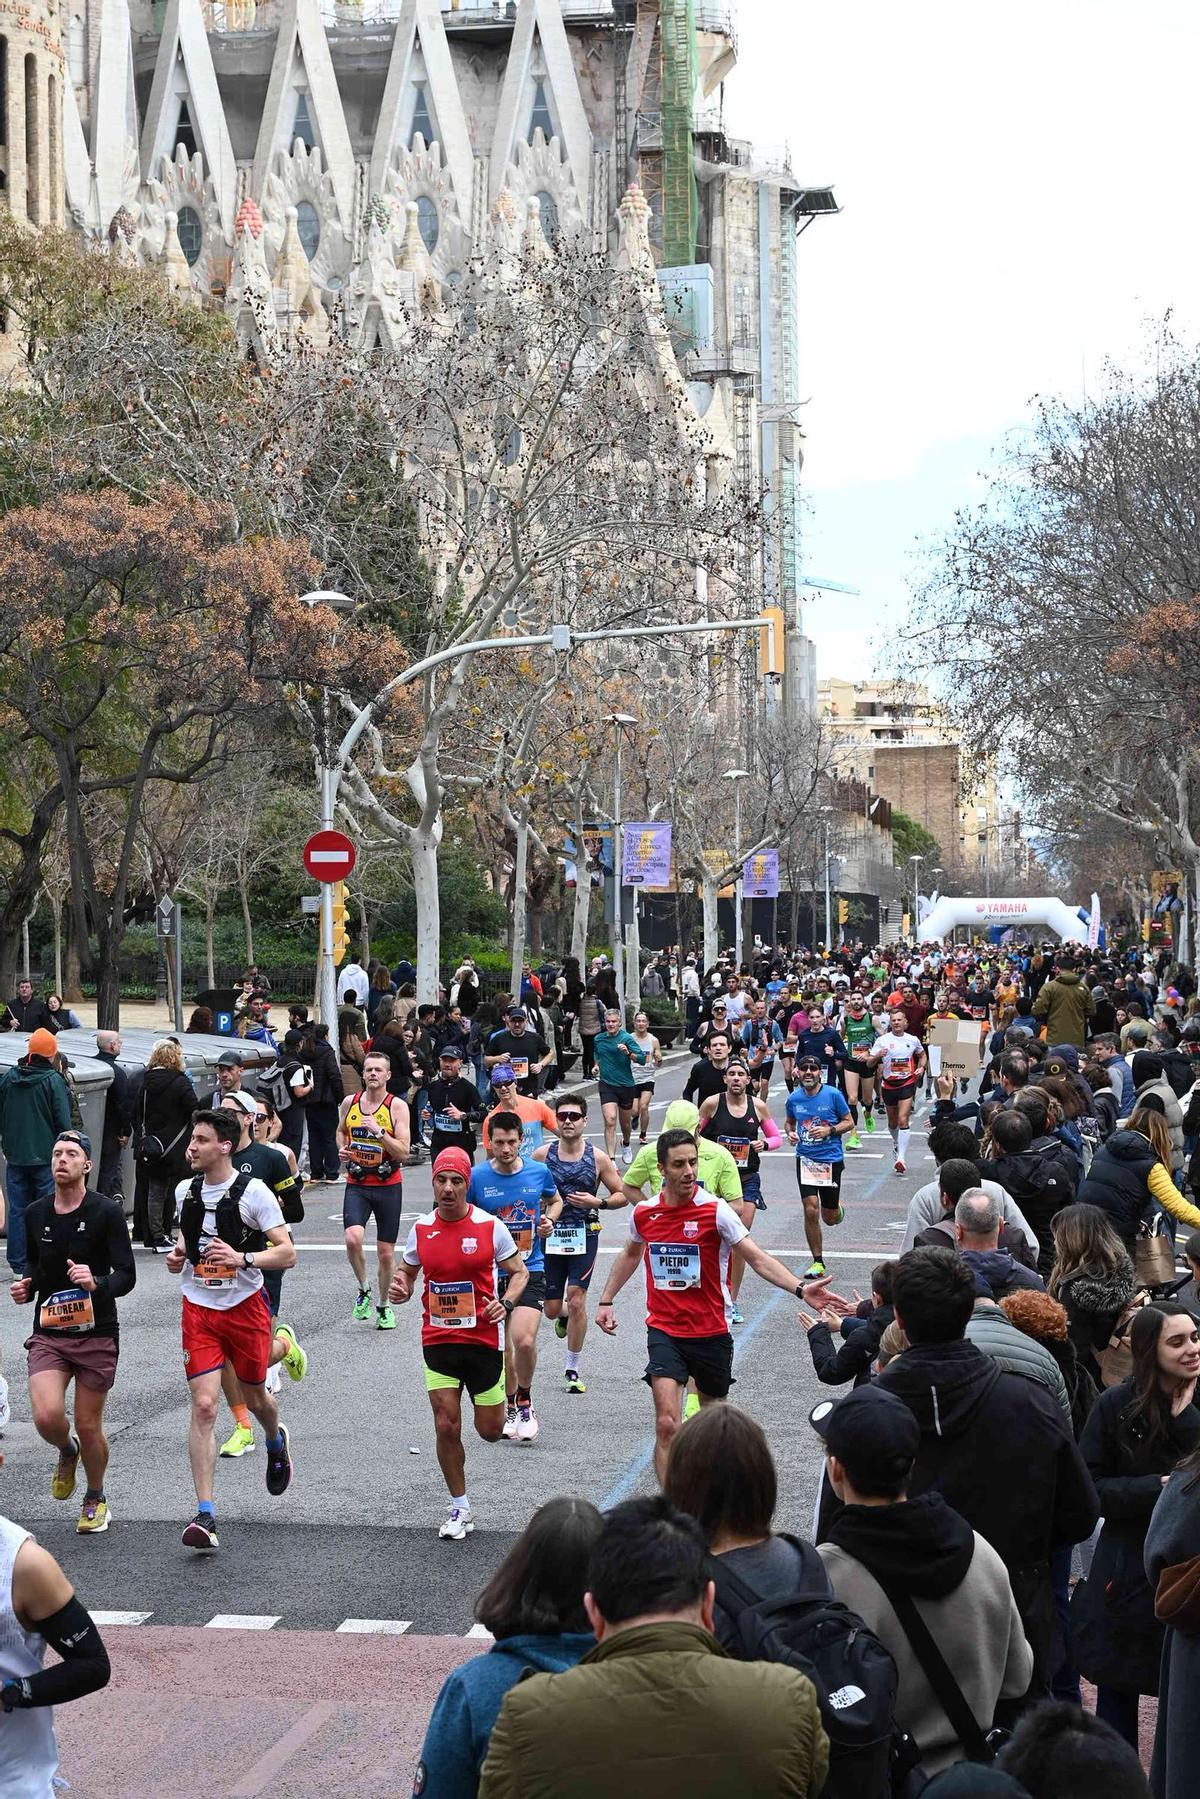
605, 1249
121, 1617
382, 1627
481, 1631
243, 1621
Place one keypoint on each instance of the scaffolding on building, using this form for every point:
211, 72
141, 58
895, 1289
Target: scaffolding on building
679, 76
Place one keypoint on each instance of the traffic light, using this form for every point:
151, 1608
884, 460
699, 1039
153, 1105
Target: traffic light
341, 937
843, 911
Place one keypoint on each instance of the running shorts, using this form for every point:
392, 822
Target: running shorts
624, 1097
706, 1360
828, 1195
469, 1365
91, 1358
752, 1194
571, 1271
361, 1204
533, 1294
892, 1096
239, 1335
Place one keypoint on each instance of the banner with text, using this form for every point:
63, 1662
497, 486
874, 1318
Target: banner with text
646, 860
760, 876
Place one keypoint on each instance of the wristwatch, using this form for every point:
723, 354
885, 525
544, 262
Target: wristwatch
248, 1260
508, 1306
800, 1291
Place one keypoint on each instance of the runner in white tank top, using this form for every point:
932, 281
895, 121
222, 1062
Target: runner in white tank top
28, 1751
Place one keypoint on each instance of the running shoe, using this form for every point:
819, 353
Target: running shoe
201, 1533
295, 1360
853, 1140
364, 1306
527, 1424
815, 1270
898, 1166
509, 1427
385, 1319
273, 1382
870, 1123
93, 1518
736, 1314
691, 1406
841, 1213
5, 1408
241, 1442
458, 1525
279, 1466
572, 1382
626, 1155
62, 1481
560, 1327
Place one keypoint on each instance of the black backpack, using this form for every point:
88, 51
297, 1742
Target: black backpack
854, 1674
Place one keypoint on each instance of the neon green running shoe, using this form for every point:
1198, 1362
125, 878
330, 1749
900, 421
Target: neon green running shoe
560, 1327
853, 1140
364, 1309
240, 1443
295, 1360
870, 1124
385, 1319
691, 1406
815, 1270
572, 1382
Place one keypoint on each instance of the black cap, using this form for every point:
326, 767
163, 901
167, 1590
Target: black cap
1146, 1067
808, 1062
871, 1431
229, 1058
515, 1012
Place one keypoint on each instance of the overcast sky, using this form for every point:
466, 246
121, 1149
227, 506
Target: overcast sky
1019, 194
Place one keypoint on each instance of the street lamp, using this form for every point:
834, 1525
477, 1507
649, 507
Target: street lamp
916, 887
617, 720
735, 775
826, 810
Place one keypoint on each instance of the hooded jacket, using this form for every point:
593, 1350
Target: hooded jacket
1066, 1005
997, 1273
1042, 1179
1117, 1182
942, 1235
34, 1107
959, 1585
456, 1737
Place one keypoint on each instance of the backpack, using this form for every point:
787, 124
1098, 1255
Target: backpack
273, 1082
854, 1674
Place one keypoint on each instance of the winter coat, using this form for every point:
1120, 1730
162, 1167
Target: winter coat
925, 1209
994, 1332
1117, 1639
1094, 1304
1042, 1179
456, 1737
1179, 1071
1013, 1241
1066, 1005
960, 1587
34, 1107
165, 1111
1117, 1182
997, 1273
997, 1448
326, 1073
691, 1720
1174, 1536
855, 1356
1172, 1112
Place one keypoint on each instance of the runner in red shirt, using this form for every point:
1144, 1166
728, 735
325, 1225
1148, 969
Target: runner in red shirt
459, 1248
686, 1237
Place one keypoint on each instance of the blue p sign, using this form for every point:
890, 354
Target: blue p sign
224, 1024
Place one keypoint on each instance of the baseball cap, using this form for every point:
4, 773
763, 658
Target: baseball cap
80, 1137
871, 1431
504, 1071
514, 1012
808, 1061
239, 1102
43, 1043
450, 1049
229, 1058
452, 1161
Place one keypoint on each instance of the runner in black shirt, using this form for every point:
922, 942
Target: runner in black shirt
453, 1106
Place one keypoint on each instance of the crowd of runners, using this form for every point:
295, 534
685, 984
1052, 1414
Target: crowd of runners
1070, 1149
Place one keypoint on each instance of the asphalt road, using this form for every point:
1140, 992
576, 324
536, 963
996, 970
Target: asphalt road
354, 1539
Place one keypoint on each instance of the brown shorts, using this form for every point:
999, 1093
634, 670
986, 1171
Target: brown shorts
91, 1359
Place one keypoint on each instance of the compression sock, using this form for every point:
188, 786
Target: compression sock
241, 1416
275, 1443
854, 1116
902, 1144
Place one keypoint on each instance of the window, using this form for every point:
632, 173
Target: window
549, 212
308, 225
33, 161
540, 120
421, 119
191, 234
302, 125
427, 221
185, 131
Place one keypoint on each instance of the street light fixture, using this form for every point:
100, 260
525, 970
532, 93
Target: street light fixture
737, 775
617, 720
916, 884
826, 811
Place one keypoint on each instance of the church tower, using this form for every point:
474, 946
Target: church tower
32, 72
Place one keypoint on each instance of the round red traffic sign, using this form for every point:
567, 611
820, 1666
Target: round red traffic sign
329, 856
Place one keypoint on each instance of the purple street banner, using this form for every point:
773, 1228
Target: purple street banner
646, 860
760, 875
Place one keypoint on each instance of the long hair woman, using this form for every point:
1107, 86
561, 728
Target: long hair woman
1092, 1277
1131, 1173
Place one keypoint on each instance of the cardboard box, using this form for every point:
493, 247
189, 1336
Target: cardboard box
958, 1041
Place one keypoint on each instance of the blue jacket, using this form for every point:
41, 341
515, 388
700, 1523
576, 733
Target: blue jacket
456, 1740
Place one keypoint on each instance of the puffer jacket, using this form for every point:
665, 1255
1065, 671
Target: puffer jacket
1118, 1182
1066, 1005
691, 1720
994, 1332
1172, 1112
1094, 1302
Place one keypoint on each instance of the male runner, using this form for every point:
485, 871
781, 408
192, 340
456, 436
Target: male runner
570, 1249
901, 1061
373, 1139
459, 1247
230, 1229
453, 1106
616, 1050
858, 1034
762, 1039
686, 1237
80, 1263
740, 1124
537, 1120
517, 1047
817, 1120
707, 1076
524, 1196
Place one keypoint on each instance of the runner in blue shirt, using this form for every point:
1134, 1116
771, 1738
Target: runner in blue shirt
817, 1120
825, 1043
616, 1050
522, 1194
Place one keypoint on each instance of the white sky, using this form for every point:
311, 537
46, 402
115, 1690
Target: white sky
1019, 194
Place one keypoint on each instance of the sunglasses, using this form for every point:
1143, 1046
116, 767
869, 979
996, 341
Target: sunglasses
569, 1117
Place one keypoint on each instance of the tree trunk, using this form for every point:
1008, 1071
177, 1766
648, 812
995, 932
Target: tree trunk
247, 923
708, 897
72, 987
108, 974
423, 851
795, 903
56, 912
24, 882
537, 920
519, 899
210, 909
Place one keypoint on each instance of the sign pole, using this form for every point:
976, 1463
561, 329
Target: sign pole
177, 950
328, 978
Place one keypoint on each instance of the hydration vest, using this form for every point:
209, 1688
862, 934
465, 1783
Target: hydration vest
231, 1227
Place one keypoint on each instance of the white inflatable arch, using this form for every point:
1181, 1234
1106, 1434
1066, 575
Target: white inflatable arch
982, 914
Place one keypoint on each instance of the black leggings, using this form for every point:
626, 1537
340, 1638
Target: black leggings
589, 1054
323, 1162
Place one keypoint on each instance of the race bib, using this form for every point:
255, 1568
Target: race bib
900, 1070
521, 1226
674, 1266
567, 1240
214, 1274
816, 1174
69, 1311
520, 1067
368, 1150
738, 1148
448, 1126
452, 1305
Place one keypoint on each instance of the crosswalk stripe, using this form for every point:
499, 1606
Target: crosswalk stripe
481, 1631
243, 1621
382, 1627
120, 1617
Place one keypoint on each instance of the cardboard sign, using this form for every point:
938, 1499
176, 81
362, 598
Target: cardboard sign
958, 1041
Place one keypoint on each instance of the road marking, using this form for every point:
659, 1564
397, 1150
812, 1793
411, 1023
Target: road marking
120, 1617
481, 1631
262, 1775
243, 1621
382, 1627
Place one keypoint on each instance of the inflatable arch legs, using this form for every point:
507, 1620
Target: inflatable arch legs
982, 914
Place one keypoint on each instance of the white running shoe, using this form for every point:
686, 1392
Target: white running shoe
527, 1425
509, 1427
273, 1382
458, 1525
627, 1155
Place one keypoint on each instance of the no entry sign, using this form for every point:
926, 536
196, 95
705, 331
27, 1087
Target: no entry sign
329, 856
